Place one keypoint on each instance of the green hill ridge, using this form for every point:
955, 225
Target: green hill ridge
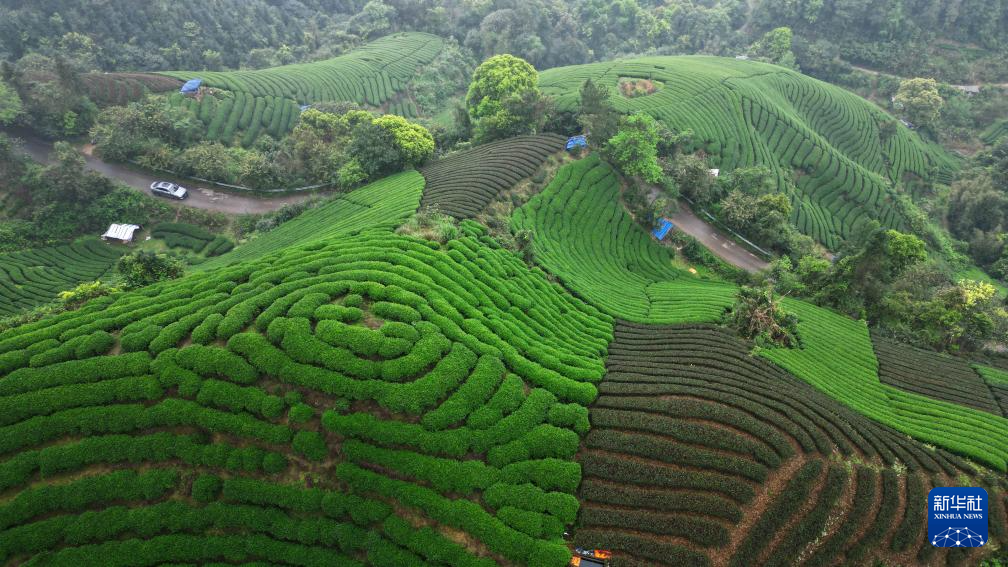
745, 113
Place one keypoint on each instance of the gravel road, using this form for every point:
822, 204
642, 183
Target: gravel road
200, 197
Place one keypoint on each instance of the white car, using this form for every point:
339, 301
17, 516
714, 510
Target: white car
169, 189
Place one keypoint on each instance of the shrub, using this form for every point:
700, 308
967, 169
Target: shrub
311, 445
758, 315
206, 488
300, 413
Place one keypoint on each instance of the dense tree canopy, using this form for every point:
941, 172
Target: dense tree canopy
503, 98
634, 148
920, 100
10, 104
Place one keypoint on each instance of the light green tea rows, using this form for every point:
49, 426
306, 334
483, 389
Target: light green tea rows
745, 113
584, 236
268, 100
382, 205
837, 358
36, 276
324, 406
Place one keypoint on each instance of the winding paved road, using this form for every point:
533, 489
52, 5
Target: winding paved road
234, 203
200, 197
716, 241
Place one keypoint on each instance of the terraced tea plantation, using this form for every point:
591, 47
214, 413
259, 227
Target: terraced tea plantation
382, 205
585, 237
463, 184
324, 406
746, 113
120, 88
997, 381
700, 454
995, 132
36, 276
267, 101
333, 393
837, 358
934, 375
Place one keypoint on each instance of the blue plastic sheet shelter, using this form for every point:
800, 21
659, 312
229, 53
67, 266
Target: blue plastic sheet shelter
576, 142
191, 86
663, 228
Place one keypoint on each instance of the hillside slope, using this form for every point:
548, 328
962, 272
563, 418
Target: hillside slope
746, 113
585, 237
247, 103
333, 393
382, 205
701, 454
36, 276
324, 406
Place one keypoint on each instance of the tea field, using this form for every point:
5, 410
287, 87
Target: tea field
589, 242
700, 454
324, 406
934, 375
744, 113
246, 104
121, 88
837, 358
36, 276
191, 237
330, 392
464, 183
585, 237
382, 205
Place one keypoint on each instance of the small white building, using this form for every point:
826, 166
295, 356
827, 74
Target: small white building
121, 232
968, 89
715, 172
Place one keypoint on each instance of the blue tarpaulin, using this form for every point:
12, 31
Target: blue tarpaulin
663, 228
191, 86
576, 142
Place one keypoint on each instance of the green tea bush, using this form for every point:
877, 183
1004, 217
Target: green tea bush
310, 444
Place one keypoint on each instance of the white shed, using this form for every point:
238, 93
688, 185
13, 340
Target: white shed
715, 172
121, 232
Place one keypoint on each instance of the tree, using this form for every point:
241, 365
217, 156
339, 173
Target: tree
373, 20
10, 104
753, 180
66, 183
597, 116
738, 209
374, 148
634, 149
74, 298
144, 267
775, 47
920, 100
887, 129
693, 177
504, 98
773, 214
758, 315
414, 142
